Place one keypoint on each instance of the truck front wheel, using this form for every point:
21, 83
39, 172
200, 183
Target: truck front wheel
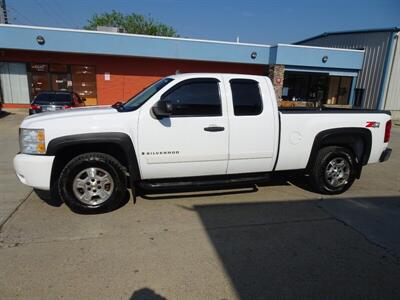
334, 170
92, 182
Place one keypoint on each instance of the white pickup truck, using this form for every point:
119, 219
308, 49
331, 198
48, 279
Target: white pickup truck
194, 129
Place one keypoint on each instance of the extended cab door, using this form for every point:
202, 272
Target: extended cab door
193, 140
253, 124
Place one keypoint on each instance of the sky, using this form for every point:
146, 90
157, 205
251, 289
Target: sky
253, 21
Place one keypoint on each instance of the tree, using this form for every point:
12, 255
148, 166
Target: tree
133, 23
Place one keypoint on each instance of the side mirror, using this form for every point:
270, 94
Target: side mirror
162, 109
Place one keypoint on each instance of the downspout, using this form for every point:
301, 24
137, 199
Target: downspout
386, 72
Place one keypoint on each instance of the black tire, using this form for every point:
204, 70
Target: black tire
323, 173
103, 164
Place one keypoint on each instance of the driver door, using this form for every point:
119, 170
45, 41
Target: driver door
193, 139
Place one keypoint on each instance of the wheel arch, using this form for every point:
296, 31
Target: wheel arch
358, 140
117, 144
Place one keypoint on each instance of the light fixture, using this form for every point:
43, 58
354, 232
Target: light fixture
253, 55
40, 40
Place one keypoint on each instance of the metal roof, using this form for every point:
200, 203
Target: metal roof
388, 29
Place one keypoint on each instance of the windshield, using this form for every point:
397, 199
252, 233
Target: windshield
137, 100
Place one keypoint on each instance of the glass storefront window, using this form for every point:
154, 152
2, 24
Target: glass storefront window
312, 89
58, 68
40, 82
39, 67
308, 87
84, 83
344, 90
80, 79
61, 82
339, 90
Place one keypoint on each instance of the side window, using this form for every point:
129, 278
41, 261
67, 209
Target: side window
196, 98
246, 97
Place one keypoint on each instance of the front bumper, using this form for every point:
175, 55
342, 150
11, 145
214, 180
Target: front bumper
385, 155
34, 170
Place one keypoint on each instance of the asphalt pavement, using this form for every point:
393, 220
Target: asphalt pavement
275, 241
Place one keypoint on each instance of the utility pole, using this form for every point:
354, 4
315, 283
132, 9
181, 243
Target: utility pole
3, 12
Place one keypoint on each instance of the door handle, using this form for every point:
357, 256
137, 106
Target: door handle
213, 128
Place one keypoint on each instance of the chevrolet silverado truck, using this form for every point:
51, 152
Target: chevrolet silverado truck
193, 130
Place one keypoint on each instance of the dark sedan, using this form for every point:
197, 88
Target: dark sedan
52, 101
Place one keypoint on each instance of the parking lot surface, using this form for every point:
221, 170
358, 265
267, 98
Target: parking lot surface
274, 241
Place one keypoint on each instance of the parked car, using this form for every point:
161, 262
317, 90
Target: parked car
52, 101
195, 130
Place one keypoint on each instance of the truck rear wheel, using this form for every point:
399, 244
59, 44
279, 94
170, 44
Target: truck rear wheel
333, 171
93, 182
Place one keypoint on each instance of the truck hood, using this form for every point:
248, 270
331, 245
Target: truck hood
70, 114
82, 121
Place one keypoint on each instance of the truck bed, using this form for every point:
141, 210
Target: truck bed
299, 128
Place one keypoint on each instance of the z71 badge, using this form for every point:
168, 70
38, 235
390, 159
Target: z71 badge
372, 124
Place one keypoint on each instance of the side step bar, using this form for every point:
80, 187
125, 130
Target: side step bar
202, 182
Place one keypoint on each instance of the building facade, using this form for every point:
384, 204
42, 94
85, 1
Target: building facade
106, 67
377, 85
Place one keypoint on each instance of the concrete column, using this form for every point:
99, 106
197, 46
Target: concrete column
276, 74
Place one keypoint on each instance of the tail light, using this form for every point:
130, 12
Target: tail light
35, 106
66, 106
388, 128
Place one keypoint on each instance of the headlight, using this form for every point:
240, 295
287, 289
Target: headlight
31, 141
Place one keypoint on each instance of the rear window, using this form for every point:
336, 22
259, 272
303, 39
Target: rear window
246, 97
53, 97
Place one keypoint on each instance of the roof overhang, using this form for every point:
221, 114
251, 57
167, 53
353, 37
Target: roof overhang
110, 43
62, 40
316, 57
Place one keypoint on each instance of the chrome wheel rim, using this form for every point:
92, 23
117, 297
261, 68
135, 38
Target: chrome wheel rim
337, 172
93, 186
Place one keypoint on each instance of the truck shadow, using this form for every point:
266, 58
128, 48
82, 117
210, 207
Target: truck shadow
54, 200
298, 249
48, 197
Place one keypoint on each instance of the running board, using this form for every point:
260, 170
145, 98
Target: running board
202, 183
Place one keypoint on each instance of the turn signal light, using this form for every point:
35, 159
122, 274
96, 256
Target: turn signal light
41, 148
40, 136
388, 128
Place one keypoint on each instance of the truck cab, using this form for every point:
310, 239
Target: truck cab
208, 125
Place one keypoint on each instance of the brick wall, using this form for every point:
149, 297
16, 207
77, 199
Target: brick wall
276, 74
128, 75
